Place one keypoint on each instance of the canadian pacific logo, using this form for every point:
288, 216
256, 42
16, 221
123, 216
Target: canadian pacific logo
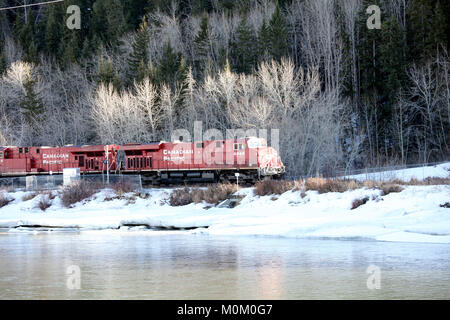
55, 158
188, 151
176, 155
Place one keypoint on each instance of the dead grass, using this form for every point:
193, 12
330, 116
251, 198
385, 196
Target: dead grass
214, 194
122, 187
323, 185
269, 187
77, 192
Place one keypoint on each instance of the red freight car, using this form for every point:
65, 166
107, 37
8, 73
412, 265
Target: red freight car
216, 160
17, 161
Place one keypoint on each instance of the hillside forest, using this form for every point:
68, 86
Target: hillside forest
341, 94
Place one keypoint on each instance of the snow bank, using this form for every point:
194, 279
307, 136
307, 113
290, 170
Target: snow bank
413, 215
420, 173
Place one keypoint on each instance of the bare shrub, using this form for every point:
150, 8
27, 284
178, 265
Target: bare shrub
50, 195
29, 196
5, 199
359, 202
77, 192
44, 203
181, 197
268, 187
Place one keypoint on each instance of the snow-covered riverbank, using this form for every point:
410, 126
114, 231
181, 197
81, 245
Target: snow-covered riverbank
415, 214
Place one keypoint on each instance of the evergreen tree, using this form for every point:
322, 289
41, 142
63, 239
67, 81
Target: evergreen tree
182, 72
3, 64
369, 42
108, 74
370, 78
152, 73
222, 56
87, 48
169, 67
139, 59
201, 45
134, 11
25, 35
391, 62
264, 42
244, 48
54, 29
439, 26
199, 6
278, 34
427, 28
108, 22
31, 105
72, 48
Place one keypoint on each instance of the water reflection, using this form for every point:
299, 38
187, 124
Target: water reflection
154, 266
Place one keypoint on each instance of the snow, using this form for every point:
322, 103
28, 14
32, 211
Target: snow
413, 215
420, 173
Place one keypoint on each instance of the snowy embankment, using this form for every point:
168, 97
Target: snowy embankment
418, 173
415, 214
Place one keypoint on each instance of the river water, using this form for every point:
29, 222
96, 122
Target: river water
156, 265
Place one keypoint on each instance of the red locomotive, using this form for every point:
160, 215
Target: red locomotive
157, 162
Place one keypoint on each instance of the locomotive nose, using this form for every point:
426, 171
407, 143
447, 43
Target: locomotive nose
270, 162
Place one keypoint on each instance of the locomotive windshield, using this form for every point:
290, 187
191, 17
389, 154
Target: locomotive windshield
257, 143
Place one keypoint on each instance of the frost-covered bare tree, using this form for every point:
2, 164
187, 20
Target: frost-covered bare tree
168, 105
427, 99
261, 11
117, 117
318, 136
350, 10
12, 92
65, 96
320, 42
146, 98
164, 28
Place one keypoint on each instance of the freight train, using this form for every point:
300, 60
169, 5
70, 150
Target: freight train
249, 159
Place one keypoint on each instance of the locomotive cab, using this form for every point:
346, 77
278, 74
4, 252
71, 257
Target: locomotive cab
3, 153
269, 162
